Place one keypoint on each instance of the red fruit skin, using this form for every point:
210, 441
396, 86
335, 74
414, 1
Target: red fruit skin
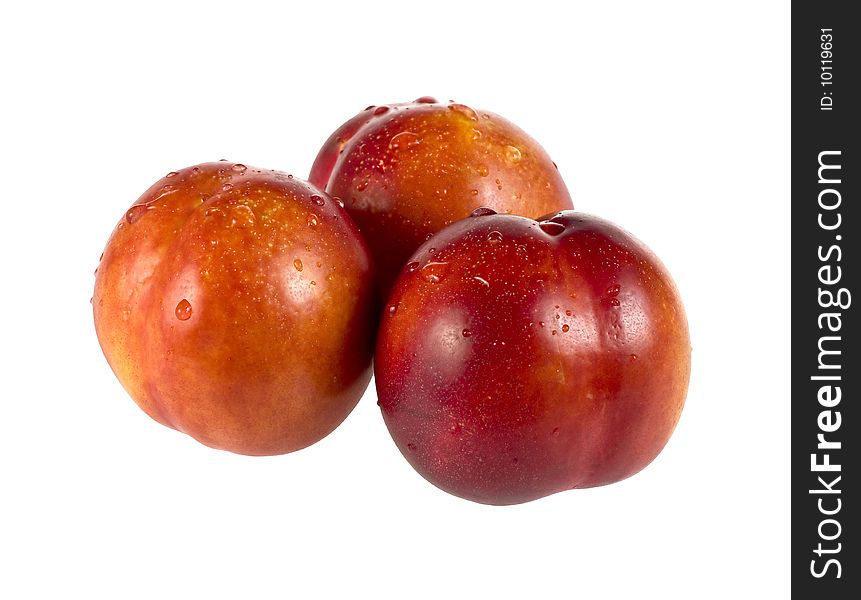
236, 305
517, 359
405, 171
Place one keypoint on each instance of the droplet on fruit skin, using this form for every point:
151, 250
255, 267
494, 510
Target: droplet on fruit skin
494, 237
338, 201
426, 100
434, 272
512, 154
633, 358
482, 211
476, 135
565, 328
392, 309
403, 140
613, 290
551, 227
297, 263
464, 110
483, 171
135, 213
381, 110
242, 216
360, 187
171, 174
239, 168
466, 333
318, 200
312, 220
227, 187
411, 446
412, 266
183, 310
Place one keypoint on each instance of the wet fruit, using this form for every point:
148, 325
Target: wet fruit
235, 304
520, 358
405, 171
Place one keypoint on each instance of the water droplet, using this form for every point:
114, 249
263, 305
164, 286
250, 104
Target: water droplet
434, 272
482, 211
369, 107
426, 100
239, 168
381, 110
466, 333
411, 446
551, 227
393, 308
568, 313
554, 332
541, 323
615, 302
494, 237
362, 185
476, 135
241, 216
482, 281
227, 187
91, 299
464, 110
633, 358
403, 140
473, 192
613, 290
318, 200
483, 170
512, 154
172, 174
136, 212
412, 266
338, 201
96, 272
565, 328
312, 220
183, 310
297, 263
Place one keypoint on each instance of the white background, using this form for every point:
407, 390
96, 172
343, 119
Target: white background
670, 118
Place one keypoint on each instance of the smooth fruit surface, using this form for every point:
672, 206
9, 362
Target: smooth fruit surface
405, 171
235, 304
519, 358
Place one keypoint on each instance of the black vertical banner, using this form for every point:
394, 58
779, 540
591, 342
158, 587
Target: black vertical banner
826, 301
